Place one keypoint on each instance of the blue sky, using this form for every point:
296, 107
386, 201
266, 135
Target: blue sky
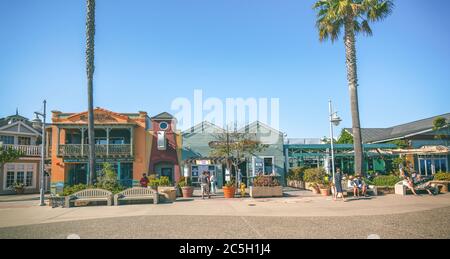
149, 52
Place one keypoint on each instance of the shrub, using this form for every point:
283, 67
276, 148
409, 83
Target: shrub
164, 181
296, 174
184, 182
442, 176
107, 179
231, 183
68, 190
314, 175
265, 180
386, 180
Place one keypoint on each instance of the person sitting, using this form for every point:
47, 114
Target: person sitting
144, 181
408, 181
359, 186
425, 184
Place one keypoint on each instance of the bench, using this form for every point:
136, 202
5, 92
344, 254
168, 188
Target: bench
87, 196
349, 190
136, 193
402, 189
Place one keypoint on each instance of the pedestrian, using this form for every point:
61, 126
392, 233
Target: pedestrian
144, 181
338, 185
204, 183
213, 182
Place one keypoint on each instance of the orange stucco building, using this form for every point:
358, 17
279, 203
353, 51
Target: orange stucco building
121, 139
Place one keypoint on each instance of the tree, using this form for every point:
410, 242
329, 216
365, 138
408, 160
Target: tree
345, 138
236, 147
90, 35
439, 124
354, 17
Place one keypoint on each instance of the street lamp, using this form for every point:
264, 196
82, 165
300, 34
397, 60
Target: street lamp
334, 120
37, 124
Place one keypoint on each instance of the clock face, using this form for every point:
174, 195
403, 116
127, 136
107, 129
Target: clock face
163, 125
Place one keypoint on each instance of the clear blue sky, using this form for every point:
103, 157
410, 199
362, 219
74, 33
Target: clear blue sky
149, 52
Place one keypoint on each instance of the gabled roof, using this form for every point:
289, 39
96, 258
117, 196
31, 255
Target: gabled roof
17, 119
204, 126
374, 135
258, 124
163, 116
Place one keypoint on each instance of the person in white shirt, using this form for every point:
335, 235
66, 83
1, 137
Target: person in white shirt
212, 180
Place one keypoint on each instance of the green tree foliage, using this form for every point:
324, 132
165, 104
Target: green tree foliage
345, 138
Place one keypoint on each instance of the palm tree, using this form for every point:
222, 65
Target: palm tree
90, 34
354, 17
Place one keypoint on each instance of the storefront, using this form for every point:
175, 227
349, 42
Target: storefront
214, 166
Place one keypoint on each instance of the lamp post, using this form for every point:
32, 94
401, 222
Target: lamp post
36, 124
334, 120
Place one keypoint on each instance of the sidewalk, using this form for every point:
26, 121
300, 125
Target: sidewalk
298, 204
20, 197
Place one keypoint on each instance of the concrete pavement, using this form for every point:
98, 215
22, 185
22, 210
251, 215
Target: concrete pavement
297, 205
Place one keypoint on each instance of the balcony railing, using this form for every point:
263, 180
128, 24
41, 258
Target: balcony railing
26, 150
78, 150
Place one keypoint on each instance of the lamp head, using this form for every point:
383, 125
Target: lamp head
335, 119
37, 123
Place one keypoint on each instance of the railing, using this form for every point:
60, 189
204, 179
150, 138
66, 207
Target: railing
26, 150
78, 150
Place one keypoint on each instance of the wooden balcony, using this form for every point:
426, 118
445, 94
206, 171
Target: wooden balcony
79, 150
26, 150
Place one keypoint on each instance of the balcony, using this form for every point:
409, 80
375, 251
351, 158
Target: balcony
26, 150
79, 150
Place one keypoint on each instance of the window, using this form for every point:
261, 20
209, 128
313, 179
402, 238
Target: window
163, 125
7, 140
9, 179
26, 141
161, 140
263, 165
19, 173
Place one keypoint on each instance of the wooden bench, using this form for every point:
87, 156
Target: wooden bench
136, 193
89, 195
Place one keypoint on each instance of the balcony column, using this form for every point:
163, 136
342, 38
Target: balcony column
107, 141
58, 138
131, 141
82, 141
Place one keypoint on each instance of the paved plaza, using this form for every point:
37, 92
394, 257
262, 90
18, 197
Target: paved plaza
298, 215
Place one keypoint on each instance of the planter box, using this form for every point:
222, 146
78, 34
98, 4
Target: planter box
296, 184
260, 192
167, 193
383, 190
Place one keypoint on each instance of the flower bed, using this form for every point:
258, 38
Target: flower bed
266, 186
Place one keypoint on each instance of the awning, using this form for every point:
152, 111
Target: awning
425, 150
206, 160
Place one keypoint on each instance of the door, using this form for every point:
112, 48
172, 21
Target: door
167, 171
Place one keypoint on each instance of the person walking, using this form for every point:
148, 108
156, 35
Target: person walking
204, 181
338, 185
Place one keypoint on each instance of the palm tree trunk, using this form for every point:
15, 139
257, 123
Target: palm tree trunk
352, 77
90, 33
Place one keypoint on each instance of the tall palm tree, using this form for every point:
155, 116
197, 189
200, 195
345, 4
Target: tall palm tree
90, 34
354, 17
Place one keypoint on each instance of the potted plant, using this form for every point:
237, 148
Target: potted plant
324, 187
19, 188
229, 189
186, 187
313, 177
